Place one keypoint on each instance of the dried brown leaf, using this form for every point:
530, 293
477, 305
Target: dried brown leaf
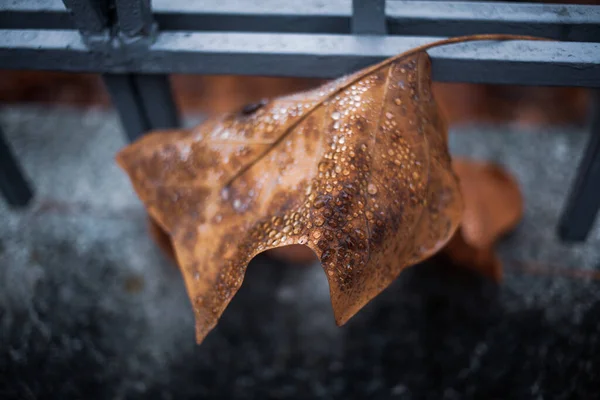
357, 170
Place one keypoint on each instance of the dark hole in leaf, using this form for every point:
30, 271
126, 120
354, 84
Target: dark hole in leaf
253, 107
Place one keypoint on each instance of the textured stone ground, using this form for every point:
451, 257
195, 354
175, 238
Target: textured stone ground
90, 309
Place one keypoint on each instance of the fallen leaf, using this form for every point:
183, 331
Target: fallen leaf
358, 170
493, 207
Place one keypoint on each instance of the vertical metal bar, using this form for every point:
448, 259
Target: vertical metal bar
144, 101
123, 93
13, 184
368, 17
136, 26
135, 17
155, 94
89, 16
583, 202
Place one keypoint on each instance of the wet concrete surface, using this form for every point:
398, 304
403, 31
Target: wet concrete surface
90, 309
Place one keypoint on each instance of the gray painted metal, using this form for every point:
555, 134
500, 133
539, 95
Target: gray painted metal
368, 17
155, 94
135, 18
419, 18
13, 184
143, 102
556, 21
583, 203
126, 99
35, 14
90, 16
505, 62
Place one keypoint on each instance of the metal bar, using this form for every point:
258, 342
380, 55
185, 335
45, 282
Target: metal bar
582, 205
554, 21
13, 184
135, 18
89, 16
310, 16
421, 18
123, 93
149, 95
144, 102
325, 56
35, 14
91, 19
157, 100
368, 17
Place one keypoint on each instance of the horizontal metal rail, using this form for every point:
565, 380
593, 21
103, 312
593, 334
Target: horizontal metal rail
503, 62
417, 18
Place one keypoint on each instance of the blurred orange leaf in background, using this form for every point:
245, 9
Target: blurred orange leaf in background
493, 207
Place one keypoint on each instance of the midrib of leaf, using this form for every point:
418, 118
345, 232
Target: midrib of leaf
368, 71
373, 145
427, 155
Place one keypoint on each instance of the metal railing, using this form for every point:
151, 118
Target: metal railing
135, 46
